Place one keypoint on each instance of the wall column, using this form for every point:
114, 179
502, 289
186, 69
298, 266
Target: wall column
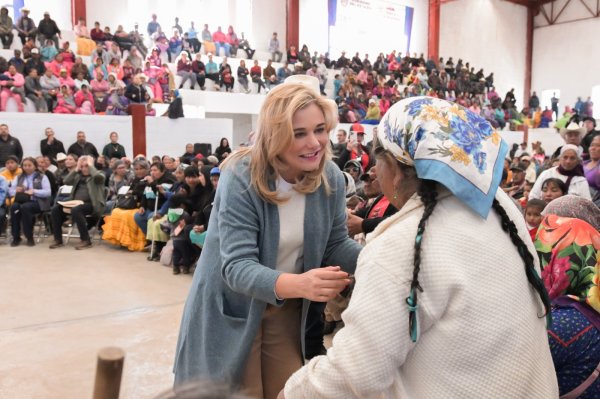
293, 24
138, 128
433, 36
528, 56
78, 11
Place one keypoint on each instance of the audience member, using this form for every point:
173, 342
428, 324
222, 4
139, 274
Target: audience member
48, 30
568, 244
11, 168
87, 199
274, 49
193, 38
83, 147
32, 195
207, 41
244, 45
51, 146
9, 145
34, 92
184, 70
6, 27
25, 26
242, 74
220, 41
255, 74
569, 170
13, 86
114, 149
212, 71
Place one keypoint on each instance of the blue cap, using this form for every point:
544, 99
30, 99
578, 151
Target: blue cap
215, 171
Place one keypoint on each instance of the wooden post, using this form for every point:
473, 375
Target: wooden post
78, 10
108, 373
528, 57
292, 36
433, 36
138, 128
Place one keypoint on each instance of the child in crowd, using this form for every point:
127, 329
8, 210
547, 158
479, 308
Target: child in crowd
552, 189
526, 190
176, 220
533, 216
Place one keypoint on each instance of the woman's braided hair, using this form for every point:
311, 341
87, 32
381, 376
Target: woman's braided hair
428, 193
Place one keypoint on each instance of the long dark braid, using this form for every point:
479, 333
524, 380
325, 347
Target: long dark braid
532, 276
428, 193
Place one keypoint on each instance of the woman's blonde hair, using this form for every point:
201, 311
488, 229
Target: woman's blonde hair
275, 134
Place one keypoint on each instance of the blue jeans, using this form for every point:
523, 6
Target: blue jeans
226, 46
142, 220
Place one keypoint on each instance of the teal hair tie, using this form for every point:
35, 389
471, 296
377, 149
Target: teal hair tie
412, 315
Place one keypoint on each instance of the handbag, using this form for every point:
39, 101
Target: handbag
126, 201
22, 198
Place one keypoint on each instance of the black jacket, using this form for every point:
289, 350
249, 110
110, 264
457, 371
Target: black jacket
48, 28
50, 150
136, 94
8, 147
87, 149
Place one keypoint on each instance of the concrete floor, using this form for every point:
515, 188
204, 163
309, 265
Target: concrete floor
59, 307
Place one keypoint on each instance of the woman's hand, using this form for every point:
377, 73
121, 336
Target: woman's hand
156, 216
20, 189
29, 192
198, 229
318, 285
142, 210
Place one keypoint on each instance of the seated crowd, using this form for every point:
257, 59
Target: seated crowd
162, 204
137, 203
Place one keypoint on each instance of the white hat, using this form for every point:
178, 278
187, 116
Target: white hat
25, 9
572, 127
61, 156
310, 81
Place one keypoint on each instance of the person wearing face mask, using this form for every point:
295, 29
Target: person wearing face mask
278, 216
569, 170
87, 199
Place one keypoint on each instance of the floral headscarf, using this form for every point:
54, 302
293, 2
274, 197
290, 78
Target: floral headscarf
447, 143
569, 251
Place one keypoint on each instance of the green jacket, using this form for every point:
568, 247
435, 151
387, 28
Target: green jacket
95, 187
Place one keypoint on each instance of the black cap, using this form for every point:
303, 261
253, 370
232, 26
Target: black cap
520, 167
12, 158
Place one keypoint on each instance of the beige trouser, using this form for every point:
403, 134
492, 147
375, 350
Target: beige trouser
276, 351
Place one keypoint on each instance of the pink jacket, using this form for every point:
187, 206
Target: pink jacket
19, 80
219, 37
99, 86
67, 81
80, 98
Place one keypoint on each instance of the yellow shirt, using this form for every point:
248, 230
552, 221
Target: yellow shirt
9, 178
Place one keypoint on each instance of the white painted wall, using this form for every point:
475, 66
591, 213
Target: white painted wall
163, 135
566, 57
490, 34
169, 136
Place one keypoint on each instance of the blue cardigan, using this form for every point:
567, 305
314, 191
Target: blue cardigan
235, 276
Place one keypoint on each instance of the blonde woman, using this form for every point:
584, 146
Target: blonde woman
278, 216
